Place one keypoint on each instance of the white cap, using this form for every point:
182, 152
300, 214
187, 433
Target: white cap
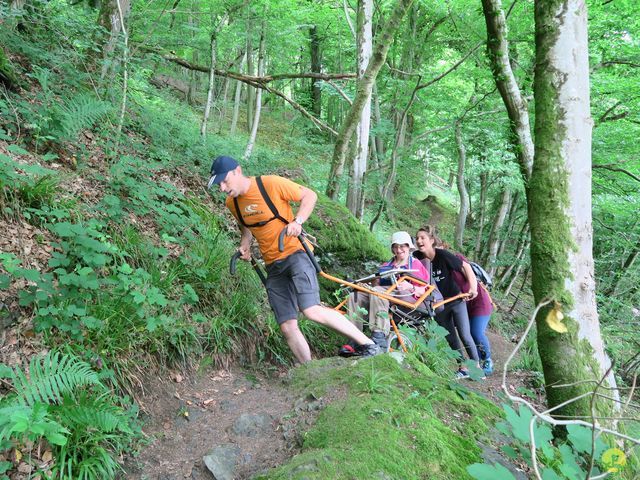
402, 238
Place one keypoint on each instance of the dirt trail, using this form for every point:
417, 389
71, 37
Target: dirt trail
187, 420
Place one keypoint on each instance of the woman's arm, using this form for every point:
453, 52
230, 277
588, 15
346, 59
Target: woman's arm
467, 271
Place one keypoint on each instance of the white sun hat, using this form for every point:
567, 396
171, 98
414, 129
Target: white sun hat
402, 238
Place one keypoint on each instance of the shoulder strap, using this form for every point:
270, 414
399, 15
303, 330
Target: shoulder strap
235, 203
267, 200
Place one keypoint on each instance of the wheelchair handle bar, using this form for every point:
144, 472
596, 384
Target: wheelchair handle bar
254, 264
303, 241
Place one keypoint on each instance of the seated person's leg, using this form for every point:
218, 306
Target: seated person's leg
357, 302
379, 314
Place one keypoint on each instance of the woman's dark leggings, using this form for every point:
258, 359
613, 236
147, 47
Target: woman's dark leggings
455, 317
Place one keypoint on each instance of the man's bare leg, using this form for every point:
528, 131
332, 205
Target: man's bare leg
336, 321
296, 341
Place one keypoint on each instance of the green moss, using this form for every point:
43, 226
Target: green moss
341, 234
7, 74
565, 358
394, 423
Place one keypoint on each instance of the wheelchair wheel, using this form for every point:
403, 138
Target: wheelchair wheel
394, 343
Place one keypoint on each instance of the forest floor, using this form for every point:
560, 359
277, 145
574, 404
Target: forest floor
258, 420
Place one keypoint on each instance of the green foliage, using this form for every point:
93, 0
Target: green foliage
24, 186
391, 416
63, 402
50, 378
562, 459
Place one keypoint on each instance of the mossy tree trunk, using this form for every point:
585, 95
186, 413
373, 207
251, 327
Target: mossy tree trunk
560, 206
7, 75
364, 88
505, 79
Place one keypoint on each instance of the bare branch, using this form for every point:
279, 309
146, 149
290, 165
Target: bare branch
453, 67
340, 91
611, 168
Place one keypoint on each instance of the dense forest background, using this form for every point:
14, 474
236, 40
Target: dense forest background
113, 255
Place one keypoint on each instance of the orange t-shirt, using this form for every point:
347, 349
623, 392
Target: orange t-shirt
254, 209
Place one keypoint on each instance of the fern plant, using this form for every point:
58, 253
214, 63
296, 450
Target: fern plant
76, 113
62, 400
51, 377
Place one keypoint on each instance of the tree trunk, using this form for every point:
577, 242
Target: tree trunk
516, 105
365, 44
363, 94
560, 208
316, 67
258, 106
378, 118
251, 91
212, 77
494, 236
462, 190
523, 240
236, 103
483, 211
109, 19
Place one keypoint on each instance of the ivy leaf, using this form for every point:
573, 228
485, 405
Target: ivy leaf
5, 371
17, 150
580, 438
549, 474
569, 466
5, 281
481, 471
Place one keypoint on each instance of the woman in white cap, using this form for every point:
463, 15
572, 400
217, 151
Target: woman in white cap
378, 308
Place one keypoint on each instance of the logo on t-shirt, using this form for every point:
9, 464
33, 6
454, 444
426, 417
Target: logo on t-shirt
438, 275
252, 210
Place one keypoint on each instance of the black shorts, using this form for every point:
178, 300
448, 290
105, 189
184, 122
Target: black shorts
292, 285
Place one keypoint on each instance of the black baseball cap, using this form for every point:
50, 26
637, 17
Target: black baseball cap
219, 169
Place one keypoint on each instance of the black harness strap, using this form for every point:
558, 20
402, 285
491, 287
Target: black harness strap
267, 200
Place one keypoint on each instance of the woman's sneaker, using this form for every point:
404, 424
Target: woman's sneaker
487, 366
462, 374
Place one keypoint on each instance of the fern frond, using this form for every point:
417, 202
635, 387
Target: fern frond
97, 467
51, 377
80, 112
93, 413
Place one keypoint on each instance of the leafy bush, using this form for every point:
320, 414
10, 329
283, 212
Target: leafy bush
568, 459
24, 186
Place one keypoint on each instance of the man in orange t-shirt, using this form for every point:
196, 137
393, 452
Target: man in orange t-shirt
292, 283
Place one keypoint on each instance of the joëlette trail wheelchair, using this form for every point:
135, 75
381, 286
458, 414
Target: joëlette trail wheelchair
414, 315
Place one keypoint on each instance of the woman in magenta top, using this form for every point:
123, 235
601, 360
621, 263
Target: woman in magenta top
479, 310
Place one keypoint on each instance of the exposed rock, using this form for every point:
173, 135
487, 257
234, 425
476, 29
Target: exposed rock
250, 425
222, 461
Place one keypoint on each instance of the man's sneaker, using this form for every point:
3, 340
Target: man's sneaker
380, 339
462, 374
487, 366
368, 350
348, 349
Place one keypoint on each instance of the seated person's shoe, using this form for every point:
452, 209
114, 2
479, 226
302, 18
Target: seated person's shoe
348, 349
380, 339
487, 366
368, 350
